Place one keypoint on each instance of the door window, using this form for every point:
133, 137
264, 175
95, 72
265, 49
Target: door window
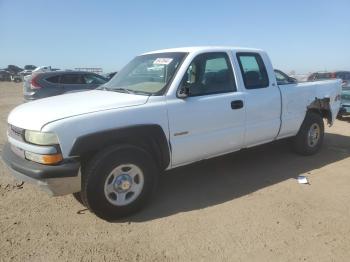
209, 73
253, 70
72, 79
94, 79
54, 79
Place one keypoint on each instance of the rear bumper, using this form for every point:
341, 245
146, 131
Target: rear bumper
55, 180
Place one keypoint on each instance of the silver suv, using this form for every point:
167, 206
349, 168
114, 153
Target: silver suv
47, 84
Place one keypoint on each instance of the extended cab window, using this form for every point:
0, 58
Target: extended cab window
209, 73
253, 70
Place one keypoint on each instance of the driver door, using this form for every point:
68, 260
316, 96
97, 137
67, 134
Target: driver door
210, 120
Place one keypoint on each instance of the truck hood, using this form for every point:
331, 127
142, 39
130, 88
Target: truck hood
34, 115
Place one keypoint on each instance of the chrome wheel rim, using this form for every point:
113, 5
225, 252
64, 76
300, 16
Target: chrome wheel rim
313, 135
123, 184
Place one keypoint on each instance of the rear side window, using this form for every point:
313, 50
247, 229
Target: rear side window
72, 79
253, 70
53, 79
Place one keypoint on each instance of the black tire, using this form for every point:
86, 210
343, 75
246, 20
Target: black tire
98, 170
302, 143
340, 117
77, 196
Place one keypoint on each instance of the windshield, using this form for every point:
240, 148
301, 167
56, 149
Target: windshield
147, 74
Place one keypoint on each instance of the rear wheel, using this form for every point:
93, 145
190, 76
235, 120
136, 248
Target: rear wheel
118, 182
309, 139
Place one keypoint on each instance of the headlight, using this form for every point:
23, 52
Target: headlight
40, 138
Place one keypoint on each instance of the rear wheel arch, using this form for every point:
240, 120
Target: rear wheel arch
321, 107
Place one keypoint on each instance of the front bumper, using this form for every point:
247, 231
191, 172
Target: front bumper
56, 180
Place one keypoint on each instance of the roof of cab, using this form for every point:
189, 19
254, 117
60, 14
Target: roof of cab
205, 49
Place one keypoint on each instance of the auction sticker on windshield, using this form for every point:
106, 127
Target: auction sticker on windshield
162, 61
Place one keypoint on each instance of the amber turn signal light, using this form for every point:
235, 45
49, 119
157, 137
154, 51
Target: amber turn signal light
44, 159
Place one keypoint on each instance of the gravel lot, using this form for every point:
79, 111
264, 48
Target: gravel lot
245, 206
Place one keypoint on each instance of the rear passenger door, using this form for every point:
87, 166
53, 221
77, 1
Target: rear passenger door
72, 82
263, 100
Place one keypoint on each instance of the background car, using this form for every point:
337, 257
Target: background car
343, 75
5, 76
13, 69
25, 73
53, 83
16, 78
29, 67
42, 69
345, 96
345, 104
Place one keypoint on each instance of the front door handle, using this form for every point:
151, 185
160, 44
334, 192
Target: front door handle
237, 104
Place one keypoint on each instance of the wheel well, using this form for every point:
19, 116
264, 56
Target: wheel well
321, 107
145, 143
322, 112
150, 138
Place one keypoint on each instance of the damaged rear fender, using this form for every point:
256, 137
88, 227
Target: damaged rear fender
322, 107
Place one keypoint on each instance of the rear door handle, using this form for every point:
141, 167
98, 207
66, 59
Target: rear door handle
237, 104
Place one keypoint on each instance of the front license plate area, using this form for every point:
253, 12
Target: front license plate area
18, 151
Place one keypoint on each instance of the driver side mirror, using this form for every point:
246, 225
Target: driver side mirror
183, 92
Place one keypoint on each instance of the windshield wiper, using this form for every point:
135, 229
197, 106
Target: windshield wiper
124, 90
129, 91
119, 89
141, 92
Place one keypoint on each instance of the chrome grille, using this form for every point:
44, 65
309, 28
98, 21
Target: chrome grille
16, 132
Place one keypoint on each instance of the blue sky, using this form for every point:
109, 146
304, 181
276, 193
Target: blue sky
299, 35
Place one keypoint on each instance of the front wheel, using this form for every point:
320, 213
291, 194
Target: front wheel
118, 182
309, 139
77, 197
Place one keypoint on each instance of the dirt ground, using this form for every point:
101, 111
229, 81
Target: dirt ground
247, 206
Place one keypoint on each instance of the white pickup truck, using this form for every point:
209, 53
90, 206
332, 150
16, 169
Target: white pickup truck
165, 109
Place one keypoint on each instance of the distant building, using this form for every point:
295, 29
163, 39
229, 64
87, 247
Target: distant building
95, 70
